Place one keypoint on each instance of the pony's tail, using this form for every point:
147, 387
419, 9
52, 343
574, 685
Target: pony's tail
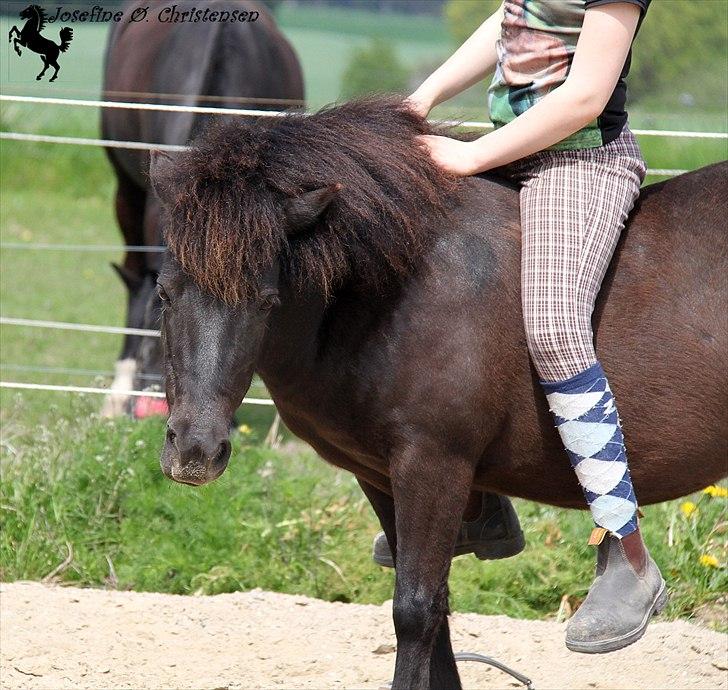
66, 38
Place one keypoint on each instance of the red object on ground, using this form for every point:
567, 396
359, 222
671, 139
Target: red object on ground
148, 407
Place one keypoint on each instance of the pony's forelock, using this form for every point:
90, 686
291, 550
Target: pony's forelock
227, 222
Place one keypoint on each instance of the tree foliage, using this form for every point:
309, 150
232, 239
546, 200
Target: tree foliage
464, 16
375, 68
681, 48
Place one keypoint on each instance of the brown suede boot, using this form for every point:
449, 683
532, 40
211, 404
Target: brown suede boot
627, 591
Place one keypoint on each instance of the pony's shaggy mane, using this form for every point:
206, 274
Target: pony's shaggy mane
228, 193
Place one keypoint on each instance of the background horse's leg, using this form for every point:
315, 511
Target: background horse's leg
130, 201
430, 493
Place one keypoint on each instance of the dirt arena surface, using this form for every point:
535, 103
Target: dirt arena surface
64, 637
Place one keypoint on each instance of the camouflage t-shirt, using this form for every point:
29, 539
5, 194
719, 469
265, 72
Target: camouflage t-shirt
535, 51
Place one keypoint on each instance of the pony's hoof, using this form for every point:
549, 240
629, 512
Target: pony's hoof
52, 79
37, 78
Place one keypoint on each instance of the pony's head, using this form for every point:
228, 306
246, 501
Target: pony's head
268, 207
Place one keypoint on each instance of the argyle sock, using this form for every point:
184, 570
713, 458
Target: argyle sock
586, 417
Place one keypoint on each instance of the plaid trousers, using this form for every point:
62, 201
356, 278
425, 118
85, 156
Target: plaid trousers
574, 205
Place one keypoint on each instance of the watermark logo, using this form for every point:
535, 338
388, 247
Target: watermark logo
30, 37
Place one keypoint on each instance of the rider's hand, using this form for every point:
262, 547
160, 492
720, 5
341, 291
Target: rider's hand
456, 157
419, 102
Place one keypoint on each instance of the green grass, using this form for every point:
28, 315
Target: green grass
278, 520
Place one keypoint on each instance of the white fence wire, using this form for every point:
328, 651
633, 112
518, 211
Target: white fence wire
72, 371
86, 327
249, 112
45, 246
81, 141
51, 139
163, 107
107, 391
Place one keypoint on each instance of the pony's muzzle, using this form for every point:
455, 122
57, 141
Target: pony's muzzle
193, 458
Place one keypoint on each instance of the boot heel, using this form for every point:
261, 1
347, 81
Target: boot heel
662, 599
503, 548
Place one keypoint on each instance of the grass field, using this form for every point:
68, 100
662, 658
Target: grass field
283, 520
278, 519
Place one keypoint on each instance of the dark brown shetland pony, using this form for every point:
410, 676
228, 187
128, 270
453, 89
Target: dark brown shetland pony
379, 301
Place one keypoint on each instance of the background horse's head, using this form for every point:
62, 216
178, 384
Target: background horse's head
262, 209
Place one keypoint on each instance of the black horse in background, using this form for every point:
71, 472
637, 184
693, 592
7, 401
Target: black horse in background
241, 64
30, 37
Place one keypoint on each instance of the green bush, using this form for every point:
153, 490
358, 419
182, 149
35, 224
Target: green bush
465, 16
375, 68
681, 52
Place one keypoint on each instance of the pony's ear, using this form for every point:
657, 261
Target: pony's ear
303, 211
129, 278
160, 167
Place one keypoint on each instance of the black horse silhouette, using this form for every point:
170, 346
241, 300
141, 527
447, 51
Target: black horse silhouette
29, 37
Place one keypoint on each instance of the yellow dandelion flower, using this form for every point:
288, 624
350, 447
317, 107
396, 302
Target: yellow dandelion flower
716, 491
688, 508
245, 430
708, 561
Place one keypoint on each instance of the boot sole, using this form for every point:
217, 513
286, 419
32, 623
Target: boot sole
615, 643
486, 551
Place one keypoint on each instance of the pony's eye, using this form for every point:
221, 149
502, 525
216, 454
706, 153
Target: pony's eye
162, 293
269, 301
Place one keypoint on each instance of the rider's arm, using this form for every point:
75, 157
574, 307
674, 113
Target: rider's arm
473, 61
601, 51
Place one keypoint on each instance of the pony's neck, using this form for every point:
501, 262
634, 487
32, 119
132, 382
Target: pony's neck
307, 339
291, 343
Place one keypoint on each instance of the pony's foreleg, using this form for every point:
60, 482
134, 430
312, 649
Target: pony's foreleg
430, 490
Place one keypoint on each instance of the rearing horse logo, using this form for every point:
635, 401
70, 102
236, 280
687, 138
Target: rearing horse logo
29, 37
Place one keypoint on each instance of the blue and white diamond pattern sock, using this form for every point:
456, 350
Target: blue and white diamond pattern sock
586, 417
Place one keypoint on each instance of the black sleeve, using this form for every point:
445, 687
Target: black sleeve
642, 4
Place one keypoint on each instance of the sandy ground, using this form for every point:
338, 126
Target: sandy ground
63, 637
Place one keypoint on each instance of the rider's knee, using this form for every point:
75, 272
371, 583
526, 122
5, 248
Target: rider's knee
557, 347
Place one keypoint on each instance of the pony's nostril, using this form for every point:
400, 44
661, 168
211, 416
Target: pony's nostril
171, 436
223, 452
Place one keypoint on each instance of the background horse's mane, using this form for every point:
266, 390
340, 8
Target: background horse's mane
227, 221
